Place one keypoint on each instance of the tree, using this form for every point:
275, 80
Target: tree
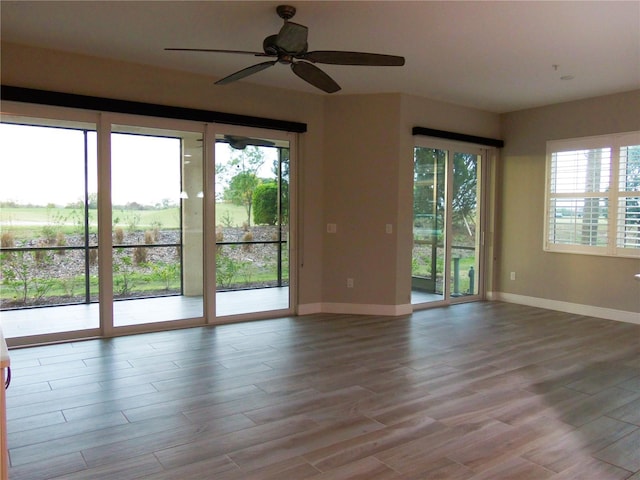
241, 189
428, 189
429, 186
243, 169
281, 169
281, 164
465, 188
93, 200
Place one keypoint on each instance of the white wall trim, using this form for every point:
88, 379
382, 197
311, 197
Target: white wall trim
355, 309
309, 308
398, 310
576, 308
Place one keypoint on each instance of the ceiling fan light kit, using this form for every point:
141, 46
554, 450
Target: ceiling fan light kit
289, 46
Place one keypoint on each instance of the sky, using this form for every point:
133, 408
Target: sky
43, 165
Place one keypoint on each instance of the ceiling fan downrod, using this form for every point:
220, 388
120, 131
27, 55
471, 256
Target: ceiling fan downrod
286, 12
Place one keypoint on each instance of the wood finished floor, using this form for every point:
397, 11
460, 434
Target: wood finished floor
473, 391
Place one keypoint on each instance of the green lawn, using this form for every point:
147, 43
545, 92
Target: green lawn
29, 222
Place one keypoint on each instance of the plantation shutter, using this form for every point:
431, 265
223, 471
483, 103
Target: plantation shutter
628, 231
579, 181
593, 195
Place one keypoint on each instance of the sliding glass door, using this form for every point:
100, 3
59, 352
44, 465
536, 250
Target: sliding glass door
429, 226
465, 225
447, 223
157, 224
252, 193
48, 224
124, 223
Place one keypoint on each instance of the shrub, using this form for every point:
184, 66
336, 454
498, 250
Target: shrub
20, 273
118, 236
247, 237
123, 281
226, 269
41, 256
265, 204
49, 233
69, 285
134, 219
8, 240
16, 274
61, 241
227, 219
150, 237
157, 226
140, 255
167, 273
219, 237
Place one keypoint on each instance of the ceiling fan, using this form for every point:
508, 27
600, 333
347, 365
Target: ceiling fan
289, 46
240, 143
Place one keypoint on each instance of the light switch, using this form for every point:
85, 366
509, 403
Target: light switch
388, 228
332, 228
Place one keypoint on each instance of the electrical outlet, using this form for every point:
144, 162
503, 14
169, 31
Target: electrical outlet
512, 275
332, 228
349, 282
388, 228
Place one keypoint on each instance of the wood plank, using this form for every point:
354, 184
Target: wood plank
474, 391
624, 453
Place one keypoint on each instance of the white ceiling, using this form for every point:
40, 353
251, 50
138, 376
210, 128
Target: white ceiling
495, 56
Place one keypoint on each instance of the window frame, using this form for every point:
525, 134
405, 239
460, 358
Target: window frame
611, 195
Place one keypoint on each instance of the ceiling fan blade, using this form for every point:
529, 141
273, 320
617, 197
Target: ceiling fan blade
240, 143
259, 142
292, 37
245, 72
213, 50
316, 77
353, 58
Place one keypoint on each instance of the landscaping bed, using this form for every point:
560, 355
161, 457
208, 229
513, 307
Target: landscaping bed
55, 275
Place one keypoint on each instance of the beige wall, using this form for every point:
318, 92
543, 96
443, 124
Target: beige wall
50, 70
578, 279
361, 198
369, 184
356, 171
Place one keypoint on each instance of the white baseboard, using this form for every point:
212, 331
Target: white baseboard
576, 308
407, 309
355, 309
309, 308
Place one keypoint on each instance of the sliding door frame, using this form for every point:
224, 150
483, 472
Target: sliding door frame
55, 115
486, 154
104, 183
103, 122
292, 139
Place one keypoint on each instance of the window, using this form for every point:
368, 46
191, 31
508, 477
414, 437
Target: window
48, 216
593, 195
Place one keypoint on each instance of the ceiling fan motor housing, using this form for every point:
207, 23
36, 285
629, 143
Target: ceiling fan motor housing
271, 47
